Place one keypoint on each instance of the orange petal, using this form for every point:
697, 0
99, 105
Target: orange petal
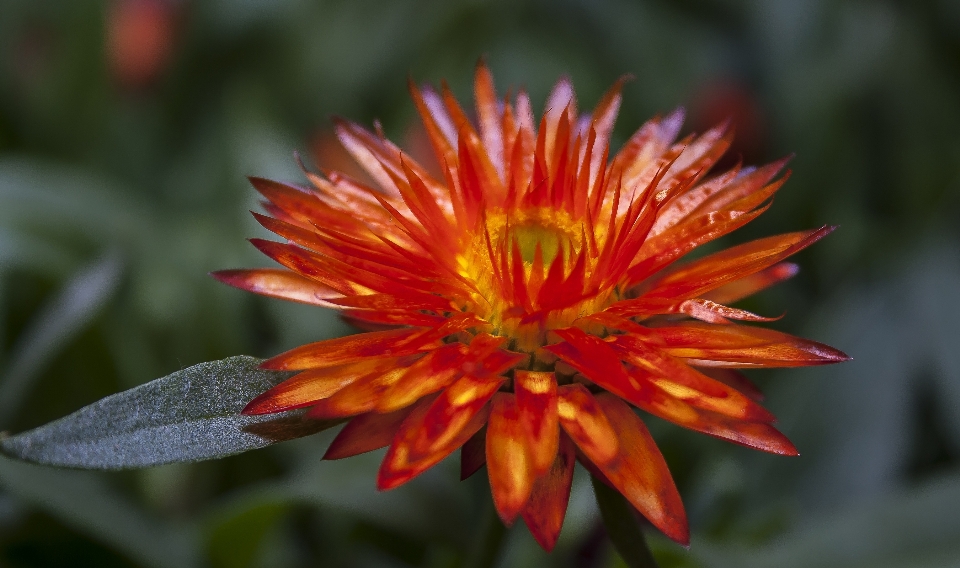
714, 270
640, 473
599, 361
757, 435
749, 285
547, 505
736, 380
343, 350
308, 387
683, 382
537, 407
586, 424
360, 397
473, 454
743, 346
368, 432
278, 283
427, 437
508, 460
436, 370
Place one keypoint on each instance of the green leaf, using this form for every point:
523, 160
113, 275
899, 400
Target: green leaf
622, 527
188, 416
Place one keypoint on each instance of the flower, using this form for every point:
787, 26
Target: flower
520, 306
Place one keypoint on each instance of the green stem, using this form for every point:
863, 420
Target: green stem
485, 550
622, 527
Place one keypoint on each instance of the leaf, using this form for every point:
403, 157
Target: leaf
85, 502
622, 527
190, 415
57, 323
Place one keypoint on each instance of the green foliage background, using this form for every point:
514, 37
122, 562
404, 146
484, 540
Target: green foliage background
119, 195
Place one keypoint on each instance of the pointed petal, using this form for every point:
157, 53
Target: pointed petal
278, 283
489, 116
433, 372
640, 473
736, 380
743, 346
508, 460
473, 454
756, 435
537, 407
427, 437
308, 387
547, 505
343, 350
749, 285
368, 432
586, 424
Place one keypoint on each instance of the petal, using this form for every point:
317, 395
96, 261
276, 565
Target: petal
537, 406
433, 372
473, 454
360, 397
749, 285
309, 387
743, 346
343, 350
586, 424
508, 461
368, 432
736, 380
278, 283
640, 473
755, 435
714, 270
427, 437
547, 505
683, 382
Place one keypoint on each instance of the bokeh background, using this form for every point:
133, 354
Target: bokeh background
127, 128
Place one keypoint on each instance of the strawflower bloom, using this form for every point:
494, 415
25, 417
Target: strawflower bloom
522, 305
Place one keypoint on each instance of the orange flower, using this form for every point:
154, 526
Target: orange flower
519, 306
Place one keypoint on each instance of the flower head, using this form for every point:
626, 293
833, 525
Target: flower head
522, 304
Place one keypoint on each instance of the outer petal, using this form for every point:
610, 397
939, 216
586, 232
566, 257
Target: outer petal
743, 346
473, 454
757, 435
537, 407
640, 473
309, 387
508, 458
547, 504
428, 436
586, 424
344, 350
279, 283
729, 293
368, 432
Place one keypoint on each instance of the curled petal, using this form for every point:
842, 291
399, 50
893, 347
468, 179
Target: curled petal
713, 312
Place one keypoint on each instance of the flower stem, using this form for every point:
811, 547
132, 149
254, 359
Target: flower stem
486, 548
622, 527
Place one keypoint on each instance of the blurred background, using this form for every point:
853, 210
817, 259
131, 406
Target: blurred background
127, 128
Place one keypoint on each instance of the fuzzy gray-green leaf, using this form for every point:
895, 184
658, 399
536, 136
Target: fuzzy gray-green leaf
190, 415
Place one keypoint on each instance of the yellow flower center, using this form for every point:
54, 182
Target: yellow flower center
522, 309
